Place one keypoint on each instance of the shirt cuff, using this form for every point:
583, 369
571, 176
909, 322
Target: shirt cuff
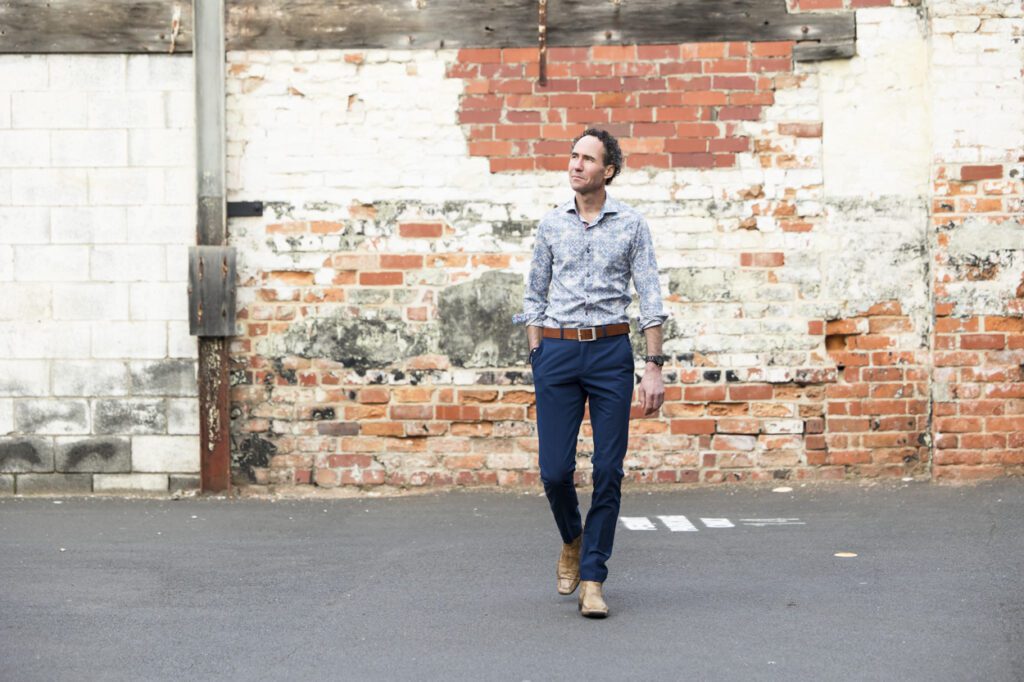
650, 321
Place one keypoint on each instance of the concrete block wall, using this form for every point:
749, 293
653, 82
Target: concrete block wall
97, 369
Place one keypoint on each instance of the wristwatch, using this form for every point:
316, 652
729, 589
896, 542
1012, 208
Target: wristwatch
659, 360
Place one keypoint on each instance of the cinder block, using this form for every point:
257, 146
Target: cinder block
88, 225
24, 225
164, 378
89, 378
90, 301
181, 344
110, 483
48, 110
51, 263
94, 455
44, 339
5, 109
130, 416
181, 109
5, 186
179, 454
7, 416
181, 482
51, 417
125, 186
159, 301
49, 187
24, 148
77, 72
6, 263
117, 263
23, 378
177, 263
179, 185
126, 110
6, 484
160, 72
89, 148
18, 455
129, 340
24, 71
53, 484
161, 147
25, 302
182, 416
162, 225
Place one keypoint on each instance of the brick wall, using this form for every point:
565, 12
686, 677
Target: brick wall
97, 370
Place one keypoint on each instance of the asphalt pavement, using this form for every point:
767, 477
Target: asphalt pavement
706, 583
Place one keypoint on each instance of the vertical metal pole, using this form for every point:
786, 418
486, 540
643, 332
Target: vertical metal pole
208, 54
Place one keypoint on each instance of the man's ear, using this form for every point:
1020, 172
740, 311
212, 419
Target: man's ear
609, 171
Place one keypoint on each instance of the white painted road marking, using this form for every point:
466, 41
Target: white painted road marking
717, 523
761, 523
637, 523
678, 524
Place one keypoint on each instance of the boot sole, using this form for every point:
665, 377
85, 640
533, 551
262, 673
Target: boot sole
591, 614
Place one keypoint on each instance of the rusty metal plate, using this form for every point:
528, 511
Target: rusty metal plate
211, 291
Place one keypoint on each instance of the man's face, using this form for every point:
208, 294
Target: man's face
587, 171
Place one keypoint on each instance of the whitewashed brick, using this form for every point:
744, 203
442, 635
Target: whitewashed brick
76, 72
22, 378
181, 109
49, 187
129, 340
177, 263
159, 301
119, 263
108, 483
24, 72
181, 344
90, 378
24, 225
44, 339
42, 110
182, 416
783, 426
52, 417
24, 148
7, 416
25, 301
127, 110
89, 148
51, 263
165, 453
125, 186
88, 225
6, 263
179, 185
160, 72
162, 224
90, 301
162, 147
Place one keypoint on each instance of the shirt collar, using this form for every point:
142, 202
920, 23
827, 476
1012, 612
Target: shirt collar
610, 207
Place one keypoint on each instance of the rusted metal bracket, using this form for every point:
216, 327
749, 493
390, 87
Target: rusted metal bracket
211, 291
542, 40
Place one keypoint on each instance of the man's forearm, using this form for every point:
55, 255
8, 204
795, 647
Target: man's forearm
533, 335
653, 337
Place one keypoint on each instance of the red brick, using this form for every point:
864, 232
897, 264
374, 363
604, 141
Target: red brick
381, 278
516, 132
498, 165
970, 173
982, 341
653, 52
762, 260
458, 412
772, 49
693, 160
480, 56
420, 230
751, 392
411, 412
693, 426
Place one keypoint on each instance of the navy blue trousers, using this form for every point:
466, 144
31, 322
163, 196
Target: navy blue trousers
566, 374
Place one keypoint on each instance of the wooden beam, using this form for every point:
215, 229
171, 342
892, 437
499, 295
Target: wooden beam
133, 26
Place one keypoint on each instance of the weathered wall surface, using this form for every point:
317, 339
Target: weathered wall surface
97, 370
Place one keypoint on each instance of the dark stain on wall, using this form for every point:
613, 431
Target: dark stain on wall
252, 453
477, 320
23, 454
359, 344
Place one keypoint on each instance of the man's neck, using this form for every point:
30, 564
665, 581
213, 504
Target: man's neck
589, 205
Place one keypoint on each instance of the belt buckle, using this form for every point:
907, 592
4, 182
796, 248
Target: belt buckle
593, 333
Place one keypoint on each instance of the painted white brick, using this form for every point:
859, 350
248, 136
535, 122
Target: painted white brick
90, 378
182, 416
162, 224
24, 148
180, 109
25, 301
44, 339
88, 225
165, 453
125, 186
180, 344
162, 147
48, 110
24, 72
24, 225
75, 72
51, 263
49, 187
6, 263
5, 186
177, 263
107, 483
119, 263
89, 148
160, 72
7, 416
90, 301
127, 110
22, 378
159, 301
179, 185
129, 340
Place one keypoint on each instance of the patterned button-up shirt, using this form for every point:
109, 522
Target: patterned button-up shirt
580, 272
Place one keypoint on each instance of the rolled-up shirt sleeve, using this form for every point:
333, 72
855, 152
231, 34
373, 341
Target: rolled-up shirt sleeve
645, 278
535, 297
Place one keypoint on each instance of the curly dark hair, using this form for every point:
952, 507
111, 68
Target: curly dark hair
612, 150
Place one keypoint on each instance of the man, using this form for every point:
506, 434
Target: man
586, 252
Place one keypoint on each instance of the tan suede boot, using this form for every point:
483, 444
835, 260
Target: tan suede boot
592, 600
569, 566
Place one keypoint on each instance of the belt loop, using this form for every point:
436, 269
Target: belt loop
561, 333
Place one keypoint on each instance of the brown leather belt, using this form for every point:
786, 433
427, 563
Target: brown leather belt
586, 333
